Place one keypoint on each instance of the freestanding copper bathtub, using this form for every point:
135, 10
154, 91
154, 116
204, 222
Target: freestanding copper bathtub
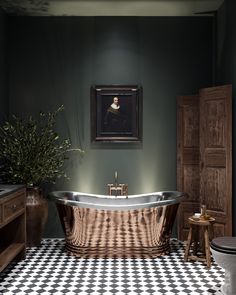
105, 226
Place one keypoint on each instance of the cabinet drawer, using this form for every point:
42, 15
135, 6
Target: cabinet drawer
13, 206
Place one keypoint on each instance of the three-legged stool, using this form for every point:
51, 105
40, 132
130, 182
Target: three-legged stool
194, 239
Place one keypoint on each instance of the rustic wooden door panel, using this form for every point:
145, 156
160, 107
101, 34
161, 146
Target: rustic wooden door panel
214, 190
204, 157
187, 159
218, 229
191, 182
216, 155
185, 211
214, 158
214, 111
190, 123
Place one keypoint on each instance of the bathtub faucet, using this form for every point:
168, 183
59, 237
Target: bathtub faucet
116, 178
117, 189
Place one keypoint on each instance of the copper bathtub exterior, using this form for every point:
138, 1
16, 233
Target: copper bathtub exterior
137, 229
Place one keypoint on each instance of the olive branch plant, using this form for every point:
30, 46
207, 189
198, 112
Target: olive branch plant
31, 151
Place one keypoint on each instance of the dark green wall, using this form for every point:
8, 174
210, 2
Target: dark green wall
226, 68
54, 61
3, 87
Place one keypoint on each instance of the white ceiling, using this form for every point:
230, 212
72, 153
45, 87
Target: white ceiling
110, 7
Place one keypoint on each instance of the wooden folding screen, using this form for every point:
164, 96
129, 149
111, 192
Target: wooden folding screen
216, 155
204, 157
187, 159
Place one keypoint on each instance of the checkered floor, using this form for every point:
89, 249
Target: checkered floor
49, 270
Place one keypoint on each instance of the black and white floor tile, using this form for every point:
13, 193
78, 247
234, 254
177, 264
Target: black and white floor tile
50, 270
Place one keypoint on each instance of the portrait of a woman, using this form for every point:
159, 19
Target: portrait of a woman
116, 113
115, 120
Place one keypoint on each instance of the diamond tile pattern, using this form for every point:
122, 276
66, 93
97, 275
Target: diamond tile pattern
48, 269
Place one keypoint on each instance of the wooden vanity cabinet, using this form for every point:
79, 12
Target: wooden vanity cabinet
12, 226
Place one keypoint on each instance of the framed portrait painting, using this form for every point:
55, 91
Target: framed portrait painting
116, 113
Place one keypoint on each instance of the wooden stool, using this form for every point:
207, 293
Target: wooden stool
195, 225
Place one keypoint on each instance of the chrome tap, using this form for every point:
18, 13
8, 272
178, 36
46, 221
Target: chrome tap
116, 179
117, 189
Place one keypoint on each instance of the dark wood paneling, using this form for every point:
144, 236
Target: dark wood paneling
187, 159
191, 182
214, 158
185, 211
190, 156
204, 157
216, 155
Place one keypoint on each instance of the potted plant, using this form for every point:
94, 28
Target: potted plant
32, 153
